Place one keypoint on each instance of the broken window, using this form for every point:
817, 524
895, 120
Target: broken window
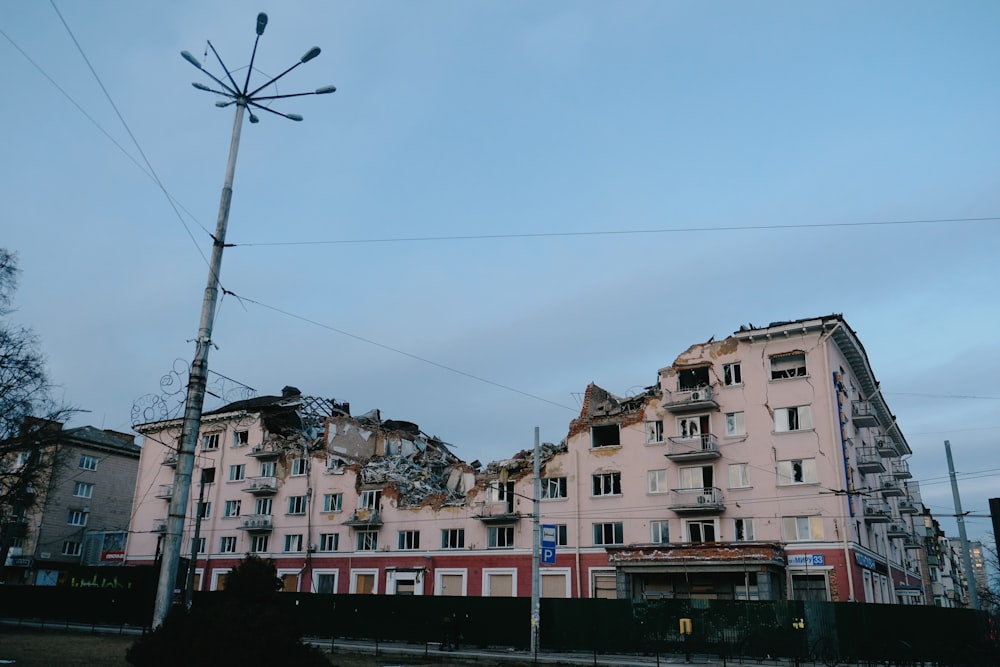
692, 378
700, 531
654, 432
296, 504
607, 484
258, 544
659, 532
293, 543
799, 528
367, 540
608, 533
238, 472
553, 487
208, 475
797, 471
732, 374
227, 545
408, 540
500, 537
370, 499
798, 418
210, 441
241, 438
656, 481
232, 508
605, 435
329, 541
502, 492
693, 427
333, 502
453, 538
561, 535
743, 530
735, 424
298, 467
204, 510
789, 365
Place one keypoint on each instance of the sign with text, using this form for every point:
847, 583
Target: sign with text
549, 539
807, 560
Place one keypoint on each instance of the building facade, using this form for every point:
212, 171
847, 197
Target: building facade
763, 466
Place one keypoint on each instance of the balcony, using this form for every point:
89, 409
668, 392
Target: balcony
690, 400
164, 491
890, 488
696, 501
159, 526
17, 527
897, 530
906, 507
886, 446
911, 541
363, 518
257, 523
698, 448
170, 460
877, 511
901, 469
262, 486
264, 452
870, 461
495, 513
863, 414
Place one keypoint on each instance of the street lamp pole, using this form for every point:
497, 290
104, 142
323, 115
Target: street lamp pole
245, 100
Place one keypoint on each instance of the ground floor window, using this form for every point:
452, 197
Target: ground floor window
809, 587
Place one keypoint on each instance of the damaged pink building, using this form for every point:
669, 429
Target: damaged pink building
763, 466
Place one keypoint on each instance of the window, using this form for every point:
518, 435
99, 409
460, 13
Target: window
210, 441
332, 502
232, 508
739, 475
693, 427
797, 471
296, 504
227, 545
453, 538
263, 506
83, 490
369, 500
367, 540
700, 531
810, 587
788, 366
298, 467
605, 435
204, 510
198, 546
696, 477
659, 532
293, 543
798, 418
732, 374
798, 528
258, 544
693, 378
329, 541
325, 583
553, 487
561, 537
734, 424
743, 530
654, 432
409, 540
267, 468
238, 472
77, 518
208, 475
657, 481
607, 484
71, 548
88, 462
500, 537
608, 533
241, 438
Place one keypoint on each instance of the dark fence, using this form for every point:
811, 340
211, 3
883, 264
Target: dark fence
815, 631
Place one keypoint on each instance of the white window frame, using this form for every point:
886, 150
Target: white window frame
802, 528
493, 537
799, 416
218, 574
329, 539
83, 490
654, 432
201, 545
297, 505
739, 476
796, 472
227, 540
732, 374
656, 481
77, 518
370, 499
262, 504
657, 530
449, 544
267, 468
72, 548
241, 438
490, 572
604, 484
735, 424
393, 578
364, 572
203, 510
554, 488
257, 541
408, 540
293, 543
210, 441
299, 467
442, 572
599, 572
564, 573
600, 529
238, 472
366, 540
326, 572
333, 502
788, 366
701, 523
88, 462
746, 525
232, 508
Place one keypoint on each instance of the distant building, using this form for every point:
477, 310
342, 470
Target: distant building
763, 466
82, 512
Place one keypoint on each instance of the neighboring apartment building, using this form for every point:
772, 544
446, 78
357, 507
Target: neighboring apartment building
81, 515
763, 466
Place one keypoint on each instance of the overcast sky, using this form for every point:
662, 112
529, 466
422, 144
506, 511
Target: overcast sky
646, 175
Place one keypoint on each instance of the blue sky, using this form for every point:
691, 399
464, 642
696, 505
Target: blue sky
582, 122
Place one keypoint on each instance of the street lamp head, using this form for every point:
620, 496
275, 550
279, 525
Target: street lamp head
310, 54
261, 23
191, 59
253, 118
293, 116
201, 86
223, 105
325, 90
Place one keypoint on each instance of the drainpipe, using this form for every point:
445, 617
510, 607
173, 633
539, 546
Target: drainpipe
576, 499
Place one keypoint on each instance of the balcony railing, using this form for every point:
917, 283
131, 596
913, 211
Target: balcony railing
264, 452
170, 460
165, 491
870, 461
886, 446
686, 400
890, 488
257, 522
696, 448
897, 530
907, 506
699, 500
262, 486
877, 511
363, 518
901, 469
863, 414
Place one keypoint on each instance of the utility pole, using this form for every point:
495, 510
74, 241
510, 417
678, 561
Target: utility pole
243, 98
536, 551
960, 517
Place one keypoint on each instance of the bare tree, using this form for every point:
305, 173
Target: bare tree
29, 418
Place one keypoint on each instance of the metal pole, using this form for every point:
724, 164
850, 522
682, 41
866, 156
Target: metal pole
536, 575
195, 395
189, 588
960, 516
